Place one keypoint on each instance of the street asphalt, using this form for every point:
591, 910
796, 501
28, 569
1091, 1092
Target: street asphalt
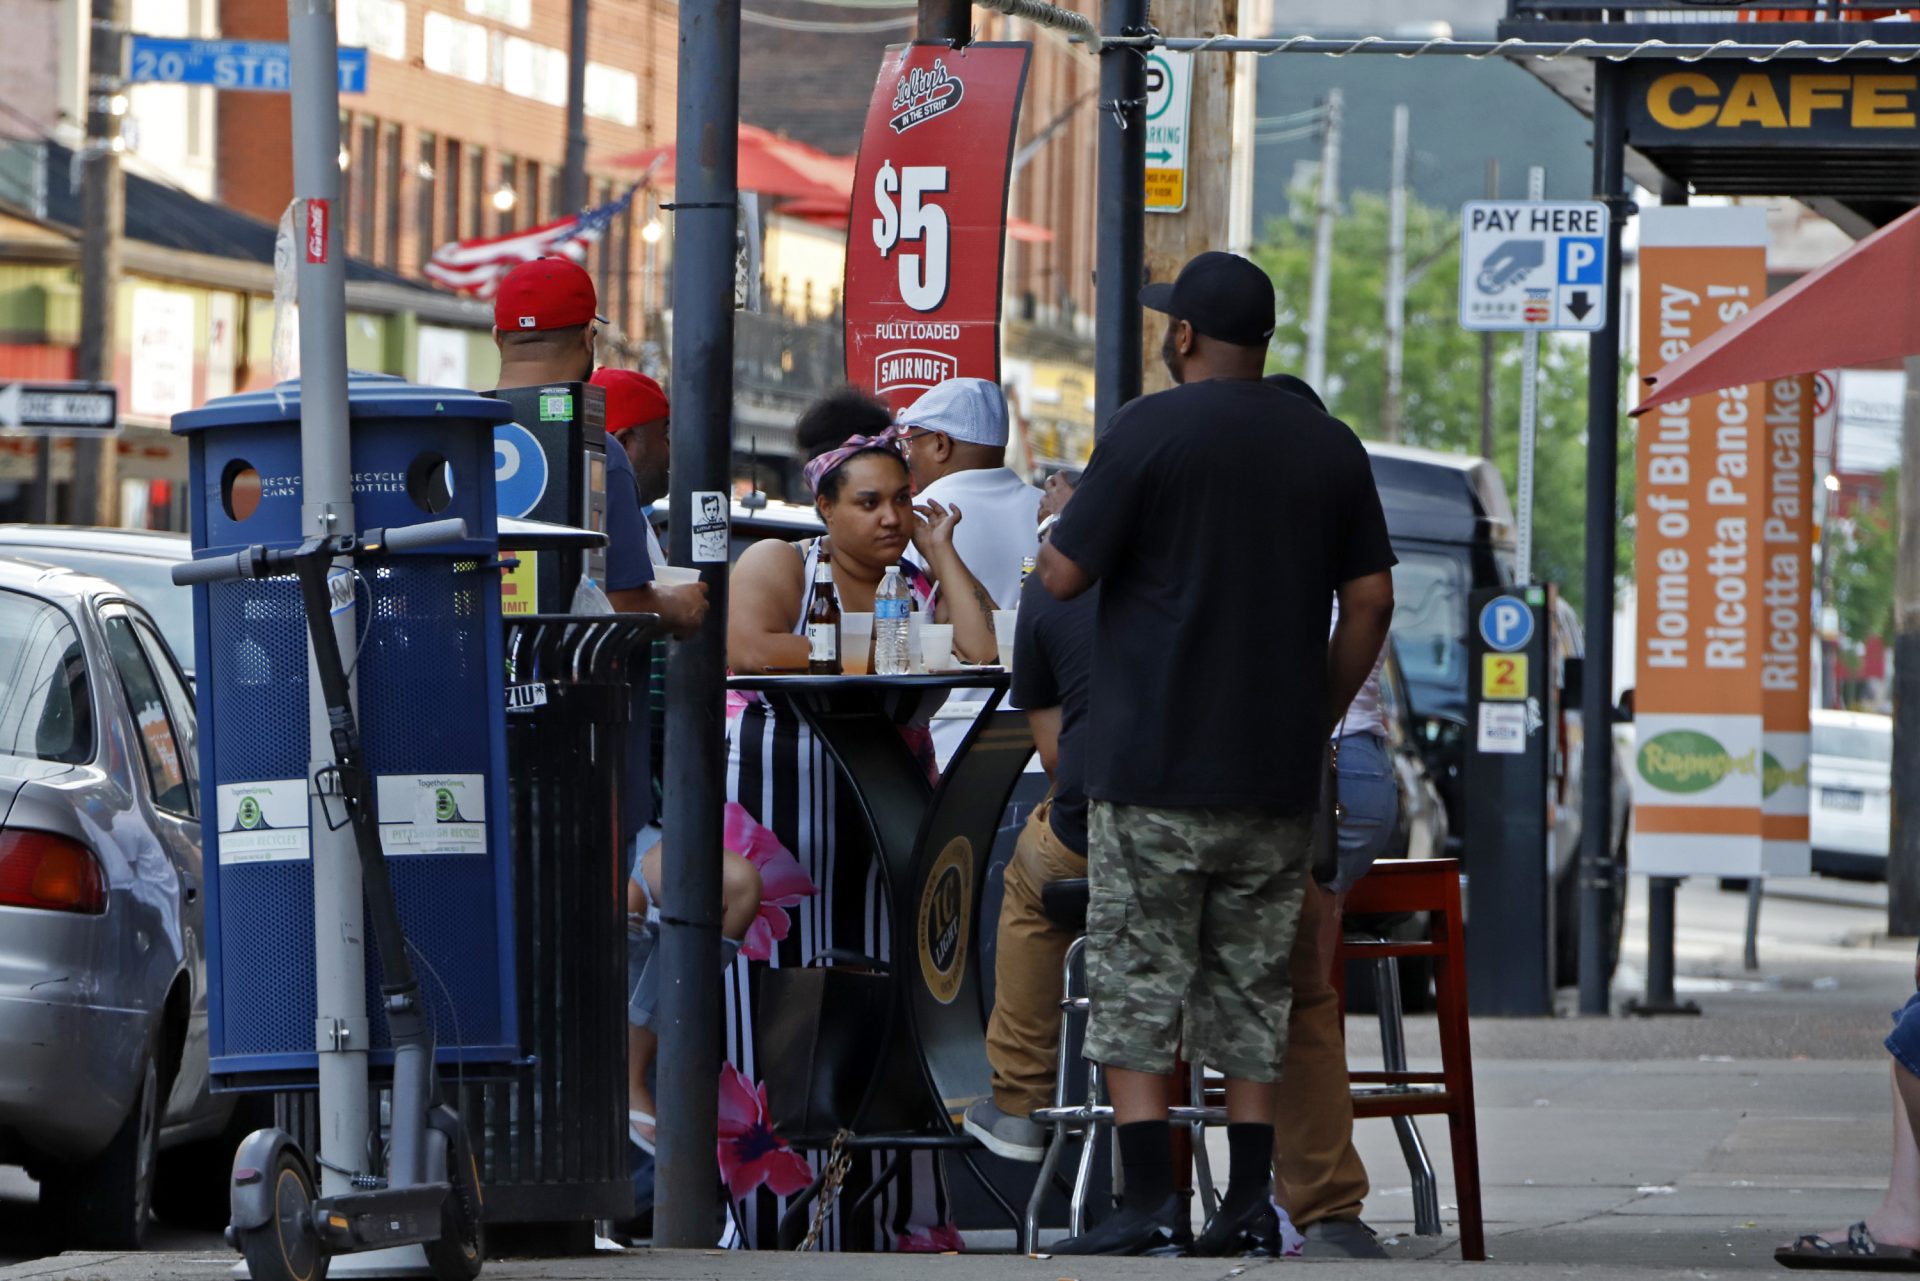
1616, 1147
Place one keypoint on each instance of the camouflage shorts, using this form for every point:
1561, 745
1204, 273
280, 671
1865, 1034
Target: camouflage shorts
1193, 912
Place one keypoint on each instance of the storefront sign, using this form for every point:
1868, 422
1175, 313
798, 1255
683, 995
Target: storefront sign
1786, 669
1738, 105
928, 232
1699, 760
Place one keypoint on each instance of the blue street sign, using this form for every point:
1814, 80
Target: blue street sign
519, 469
261, 65
1506, 624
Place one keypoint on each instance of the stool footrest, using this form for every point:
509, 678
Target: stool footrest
1101, 1114
1377, 1077
1372, 950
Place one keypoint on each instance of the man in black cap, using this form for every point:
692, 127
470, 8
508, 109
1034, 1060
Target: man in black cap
1214, 688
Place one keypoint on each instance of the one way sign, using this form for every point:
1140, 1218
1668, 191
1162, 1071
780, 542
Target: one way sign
77, 409
1533, 264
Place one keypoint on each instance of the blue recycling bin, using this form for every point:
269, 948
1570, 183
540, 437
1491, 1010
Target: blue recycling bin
431, 713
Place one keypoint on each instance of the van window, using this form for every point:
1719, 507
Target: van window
1430, 617
1855, 742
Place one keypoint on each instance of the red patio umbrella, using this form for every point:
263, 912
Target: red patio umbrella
1863, 308
769, 164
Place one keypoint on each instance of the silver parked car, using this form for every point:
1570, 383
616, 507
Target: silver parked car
103, 1035
1850, 774
137, 560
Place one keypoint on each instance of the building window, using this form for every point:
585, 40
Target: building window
613, 94
531, 208
604, 276
450, 178
556, 193
379, 26
425, 175
477, 193
348, 185
455, 48
391, 233
506, 194
533, 71
367, 190
515, 13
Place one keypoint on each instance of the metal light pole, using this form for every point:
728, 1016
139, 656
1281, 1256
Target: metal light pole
1603, 430
573, 175
1396, 291
1318, 293
1120, 230
1529, 417
326, 507
102, 216
706, 196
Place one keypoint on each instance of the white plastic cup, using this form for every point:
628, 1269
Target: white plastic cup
856, 644
936, 646
916, 665
675, 576
1003, 625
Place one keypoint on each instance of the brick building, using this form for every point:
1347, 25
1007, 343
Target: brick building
462, 130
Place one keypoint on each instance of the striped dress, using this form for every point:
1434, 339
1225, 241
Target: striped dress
782, 775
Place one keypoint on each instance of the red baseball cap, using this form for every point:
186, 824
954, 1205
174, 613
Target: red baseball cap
632, 398
547, 293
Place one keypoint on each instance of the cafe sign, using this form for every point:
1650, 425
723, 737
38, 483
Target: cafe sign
1742, 106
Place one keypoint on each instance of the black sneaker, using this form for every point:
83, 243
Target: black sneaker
1342, 1239
1128, 1232
1254, 1233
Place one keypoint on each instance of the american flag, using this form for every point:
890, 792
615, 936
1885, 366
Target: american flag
474, 267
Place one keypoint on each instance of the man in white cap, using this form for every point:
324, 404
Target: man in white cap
956, 438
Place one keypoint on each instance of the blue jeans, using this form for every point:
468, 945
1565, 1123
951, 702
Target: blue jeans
1904, 1041
1370, 800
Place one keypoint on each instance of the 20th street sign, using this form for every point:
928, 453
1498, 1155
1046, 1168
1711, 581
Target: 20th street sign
64, 409
265, 66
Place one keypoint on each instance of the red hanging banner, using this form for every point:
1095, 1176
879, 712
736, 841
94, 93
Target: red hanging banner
927, 238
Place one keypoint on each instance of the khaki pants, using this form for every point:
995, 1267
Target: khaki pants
1314, 1153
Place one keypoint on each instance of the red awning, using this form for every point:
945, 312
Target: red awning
834, 213
1863, 308
769, 164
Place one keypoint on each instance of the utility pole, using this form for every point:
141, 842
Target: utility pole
1486, 339
573, 176
102, 215
1529, 417
1903, 862
1396, 278
1245, 93
1207, 221
706, 197
1323, 246
1120, 233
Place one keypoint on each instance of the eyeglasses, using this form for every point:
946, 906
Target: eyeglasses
908, 435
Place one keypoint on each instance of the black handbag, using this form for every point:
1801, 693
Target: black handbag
831, 1052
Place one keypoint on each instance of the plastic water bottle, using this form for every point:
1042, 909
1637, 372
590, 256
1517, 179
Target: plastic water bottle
892, 619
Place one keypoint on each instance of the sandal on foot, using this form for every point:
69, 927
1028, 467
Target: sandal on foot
1858, 1253
635, 1119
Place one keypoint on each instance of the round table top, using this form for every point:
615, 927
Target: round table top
964, 678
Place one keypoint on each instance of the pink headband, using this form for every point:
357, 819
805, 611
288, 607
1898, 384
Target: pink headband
818, 469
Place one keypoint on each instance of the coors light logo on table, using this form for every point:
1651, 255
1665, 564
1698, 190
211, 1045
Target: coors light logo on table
927, 236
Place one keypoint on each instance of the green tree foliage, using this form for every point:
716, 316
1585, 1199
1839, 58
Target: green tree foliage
1866, 547
1441, 380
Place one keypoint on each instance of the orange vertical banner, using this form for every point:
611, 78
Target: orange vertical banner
1786, 666
1700, 508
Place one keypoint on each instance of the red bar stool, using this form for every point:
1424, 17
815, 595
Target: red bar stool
1397, 887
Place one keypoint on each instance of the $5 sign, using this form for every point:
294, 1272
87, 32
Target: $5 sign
914, 220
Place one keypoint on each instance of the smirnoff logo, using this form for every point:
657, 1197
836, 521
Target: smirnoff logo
912, 370
921, 95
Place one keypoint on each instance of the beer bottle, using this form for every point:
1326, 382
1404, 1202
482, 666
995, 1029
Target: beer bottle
823, 623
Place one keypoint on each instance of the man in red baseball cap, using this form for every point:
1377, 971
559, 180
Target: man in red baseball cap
543, 323
637, 420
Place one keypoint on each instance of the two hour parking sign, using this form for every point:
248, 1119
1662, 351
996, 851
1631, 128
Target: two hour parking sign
1533, 264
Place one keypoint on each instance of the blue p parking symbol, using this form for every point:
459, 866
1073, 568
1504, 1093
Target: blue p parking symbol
1581, 260
1506, 624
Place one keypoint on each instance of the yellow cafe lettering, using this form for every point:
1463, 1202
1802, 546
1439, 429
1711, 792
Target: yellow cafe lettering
1825, 101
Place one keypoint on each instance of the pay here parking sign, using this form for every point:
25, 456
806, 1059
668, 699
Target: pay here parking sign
1533, 264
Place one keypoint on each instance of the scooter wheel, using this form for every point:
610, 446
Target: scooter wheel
286, 1248
462, 1246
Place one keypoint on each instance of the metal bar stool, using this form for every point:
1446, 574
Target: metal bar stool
1396, 888
1065, 904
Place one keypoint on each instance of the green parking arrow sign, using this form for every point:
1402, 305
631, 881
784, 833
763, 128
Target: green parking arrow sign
1169, 95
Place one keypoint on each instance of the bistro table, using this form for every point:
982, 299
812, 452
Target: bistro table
933, 845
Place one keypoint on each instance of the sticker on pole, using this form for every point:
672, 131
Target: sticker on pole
1169, 99
1533, 264
263, 822
1506, 624
710, 527
1503, 729
316, 230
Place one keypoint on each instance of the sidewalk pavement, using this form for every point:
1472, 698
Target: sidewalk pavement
1610, 1148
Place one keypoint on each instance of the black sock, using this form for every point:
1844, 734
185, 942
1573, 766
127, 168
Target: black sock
1249, 1167
1146, 1162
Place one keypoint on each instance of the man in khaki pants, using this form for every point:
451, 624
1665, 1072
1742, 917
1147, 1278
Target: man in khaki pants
1323, 1181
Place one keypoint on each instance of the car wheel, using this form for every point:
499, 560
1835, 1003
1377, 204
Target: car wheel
103, 1204
194, 1188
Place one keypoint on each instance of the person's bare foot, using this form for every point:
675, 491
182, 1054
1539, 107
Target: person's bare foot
1886, 1229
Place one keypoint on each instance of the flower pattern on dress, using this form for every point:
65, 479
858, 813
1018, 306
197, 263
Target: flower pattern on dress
783, 882
750, 1153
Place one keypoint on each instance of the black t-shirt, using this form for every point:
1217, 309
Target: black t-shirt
1052, 663
1219, 518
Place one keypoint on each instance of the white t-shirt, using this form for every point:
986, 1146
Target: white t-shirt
1364, 715
998, 529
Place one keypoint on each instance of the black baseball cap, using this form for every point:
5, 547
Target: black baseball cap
1221, 295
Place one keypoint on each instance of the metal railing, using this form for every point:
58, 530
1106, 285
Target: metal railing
780, 356
1682, 12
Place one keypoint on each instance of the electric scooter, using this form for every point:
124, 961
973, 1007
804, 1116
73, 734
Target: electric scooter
428, 1194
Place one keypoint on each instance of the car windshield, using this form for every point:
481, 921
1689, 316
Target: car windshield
46, 712
1430, 617
145, 578
1855, 742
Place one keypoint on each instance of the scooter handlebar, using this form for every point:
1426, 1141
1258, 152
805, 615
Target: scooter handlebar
214, 569
426, 534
